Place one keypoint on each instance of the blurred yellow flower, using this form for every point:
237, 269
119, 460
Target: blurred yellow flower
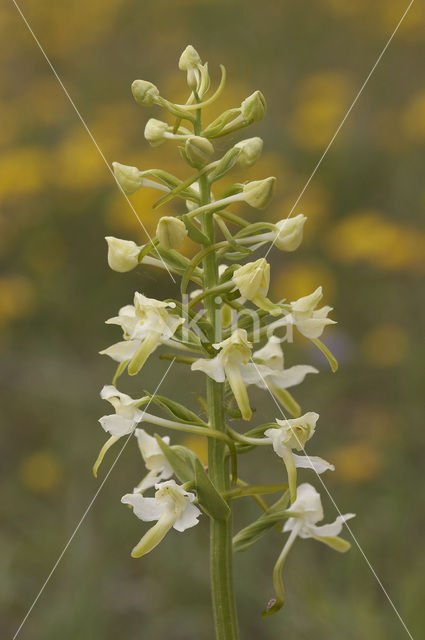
385, 345
17, 298
297, 280
371, 237
321, 101
358, 462
23, 171
78, 163
413, 118
41, 472
199, 446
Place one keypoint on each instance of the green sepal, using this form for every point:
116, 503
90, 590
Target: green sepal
226, 163
216, 126
333, 362
287, 401
208, 496
335, 542
194, 232
148, 248
173, 258
178, 411
248, 536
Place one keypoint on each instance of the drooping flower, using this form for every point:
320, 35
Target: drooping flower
157, 464
127, 414
172, 507
233, 354
307, 510
293, 434
145, 324
171, 232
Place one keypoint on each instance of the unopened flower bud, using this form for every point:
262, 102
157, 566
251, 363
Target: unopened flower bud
128, 178
189, 59
290, 233
171, 232
198, 150
154, 132
253, 108
122, 254
250, 151
144, 92
253, 278
259, 192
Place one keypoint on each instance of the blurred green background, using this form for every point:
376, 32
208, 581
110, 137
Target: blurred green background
364, 242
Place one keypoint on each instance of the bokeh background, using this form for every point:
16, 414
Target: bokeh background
364, 243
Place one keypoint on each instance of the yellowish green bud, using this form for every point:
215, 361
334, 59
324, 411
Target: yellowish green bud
253, 107
123, 255
259, 192
144, 92
290, 233
250, 151
128, 178
198, 150
253, 278
155, 131
189, 59
171, 232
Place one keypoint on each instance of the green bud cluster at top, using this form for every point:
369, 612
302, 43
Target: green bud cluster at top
224, 325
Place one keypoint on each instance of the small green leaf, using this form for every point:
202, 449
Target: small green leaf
225, 164
180, 458
208, 496
194, 232
178, 411
253, 532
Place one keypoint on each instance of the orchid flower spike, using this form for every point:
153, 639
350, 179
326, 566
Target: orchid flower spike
305, 512
233, 354
293, 434
172, 507
157, 464
253, 281
146, 324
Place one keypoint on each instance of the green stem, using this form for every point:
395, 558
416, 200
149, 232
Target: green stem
221, 559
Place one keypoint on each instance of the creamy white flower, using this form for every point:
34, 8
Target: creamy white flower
308, 510
172, 507
253, 281
293, 434
289, 233
145, 324
233, 354
309, 320
157, 464
127, 413
171, 232
267, 368
251, 149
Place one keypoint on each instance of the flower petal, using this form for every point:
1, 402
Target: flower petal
117, 425
290, 377
189, 518
332, 529
313, 462
213, 368
122, 351
147, 509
